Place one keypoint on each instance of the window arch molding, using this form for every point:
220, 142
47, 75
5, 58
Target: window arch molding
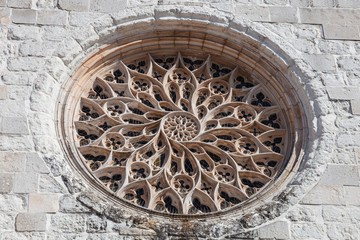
245, 46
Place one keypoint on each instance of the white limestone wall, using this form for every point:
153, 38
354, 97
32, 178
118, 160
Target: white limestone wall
42, 42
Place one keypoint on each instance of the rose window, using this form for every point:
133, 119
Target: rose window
181, 133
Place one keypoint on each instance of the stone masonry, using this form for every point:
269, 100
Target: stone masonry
42, 42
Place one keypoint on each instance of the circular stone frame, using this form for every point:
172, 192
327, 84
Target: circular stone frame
214, 39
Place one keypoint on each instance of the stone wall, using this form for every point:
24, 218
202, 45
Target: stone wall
44, 41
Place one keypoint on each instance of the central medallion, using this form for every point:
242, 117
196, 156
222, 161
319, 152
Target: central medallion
180, 126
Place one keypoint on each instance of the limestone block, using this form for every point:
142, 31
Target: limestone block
6, 182
335, 214
49, 184
350, 63
14, 125
307, 231
23, 32
25, 63
12, 161
324, 194
68, 204
82, 18
355, 107
19, 92
283, 14
40, 202
3, 3
352, 194
31, 222
323, 3
68, 223
95, 224
19, 3
35, 164
348, 4
277, 230
12, 108
55, 33
357, 155
50, 17
27, 16
342, 231
12, 203
107, 5
343, 93
300, 3
321, 62
341, 32
254, 13
305, 213
75, 5
4, 15
3, 92
340, 174
7, 221
37, 48
26, 182
314, 16
13, 78
276, 2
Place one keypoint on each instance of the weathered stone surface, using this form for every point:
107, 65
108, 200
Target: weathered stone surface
75, 5
3, 92
68, 223
357, 155
35, 164
339, 174
307, 231
14, 125
19, 3
41, 202
352, 195
50, 184
12, 161
277, 230
304, 213
254, 13
7, 221
69, 204
355, 107
283, 14
31, 222
324, 194
13, 78
26, 182
321, 63
13, 203
342, 231
107, 6
6, 182
25, 63
24, 32
95, 224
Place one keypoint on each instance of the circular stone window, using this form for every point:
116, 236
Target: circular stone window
180, 130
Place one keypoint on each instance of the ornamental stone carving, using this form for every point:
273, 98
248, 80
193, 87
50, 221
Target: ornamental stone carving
180, 133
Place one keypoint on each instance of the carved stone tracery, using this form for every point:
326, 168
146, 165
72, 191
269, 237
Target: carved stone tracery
181, 134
